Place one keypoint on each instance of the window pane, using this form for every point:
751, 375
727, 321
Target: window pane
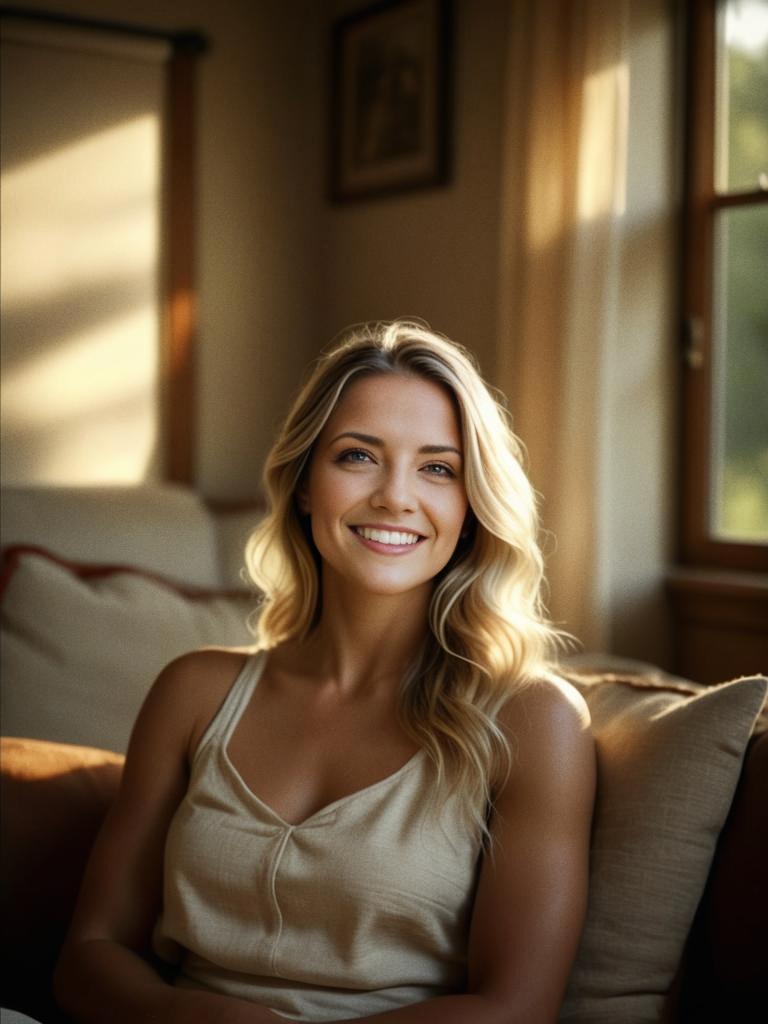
742, 115
739, 508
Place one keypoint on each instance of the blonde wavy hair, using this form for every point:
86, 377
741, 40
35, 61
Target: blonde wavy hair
487, 630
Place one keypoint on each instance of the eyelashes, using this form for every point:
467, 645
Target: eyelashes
359, 456
350, 453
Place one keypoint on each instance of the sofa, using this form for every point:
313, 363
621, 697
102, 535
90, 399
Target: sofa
101, 586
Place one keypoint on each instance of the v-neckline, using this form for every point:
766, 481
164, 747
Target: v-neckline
327, 809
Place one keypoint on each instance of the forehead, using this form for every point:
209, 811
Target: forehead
395, 404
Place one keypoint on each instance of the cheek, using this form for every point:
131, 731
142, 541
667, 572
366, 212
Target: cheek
330, 496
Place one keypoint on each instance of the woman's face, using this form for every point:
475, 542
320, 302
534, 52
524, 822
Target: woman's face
385, 488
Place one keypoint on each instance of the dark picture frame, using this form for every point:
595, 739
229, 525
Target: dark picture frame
390, 99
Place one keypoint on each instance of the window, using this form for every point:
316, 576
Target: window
725, 299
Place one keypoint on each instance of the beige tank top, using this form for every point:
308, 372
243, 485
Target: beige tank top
362, 908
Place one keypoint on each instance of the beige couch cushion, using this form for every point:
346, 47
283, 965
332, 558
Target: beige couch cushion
669, 758
82, 644
162, 528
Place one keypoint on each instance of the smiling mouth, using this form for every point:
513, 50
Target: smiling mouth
393, 538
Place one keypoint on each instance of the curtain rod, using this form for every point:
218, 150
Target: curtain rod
182, 41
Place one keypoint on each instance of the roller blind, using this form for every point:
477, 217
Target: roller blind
82, 127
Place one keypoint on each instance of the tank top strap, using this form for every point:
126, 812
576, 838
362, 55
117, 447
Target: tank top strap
226, 718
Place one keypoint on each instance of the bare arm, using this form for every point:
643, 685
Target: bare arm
106, 970
532, 895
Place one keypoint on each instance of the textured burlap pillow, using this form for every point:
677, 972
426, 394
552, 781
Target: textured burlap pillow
668, 762
82, 644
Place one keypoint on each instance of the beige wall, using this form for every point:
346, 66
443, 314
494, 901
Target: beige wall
432, 253
260, 178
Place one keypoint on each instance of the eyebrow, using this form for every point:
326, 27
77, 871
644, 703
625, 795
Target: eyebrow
426, 449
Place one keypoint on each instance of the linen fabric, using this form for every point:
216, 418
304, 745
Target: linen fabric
81, 644
361, 908
669, 756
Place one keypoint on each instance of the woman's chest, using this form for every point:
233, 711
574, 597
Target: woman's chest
379, 882
390, 841
299, 757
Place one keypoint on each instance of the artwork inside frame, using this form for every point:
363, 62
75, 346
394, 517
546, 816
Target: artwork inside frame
390, 100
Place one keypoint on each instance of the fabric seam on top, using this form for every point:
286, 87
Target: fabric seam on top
273, 892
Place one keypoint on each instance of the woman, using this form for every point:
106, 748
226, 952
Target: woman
383, 811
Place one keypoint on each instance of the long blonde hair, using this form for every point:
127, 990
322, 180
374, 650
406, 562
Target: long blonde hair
487, 628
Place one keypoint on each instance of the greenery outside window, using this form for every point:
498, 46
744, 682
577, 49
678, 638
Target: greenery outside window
725, 420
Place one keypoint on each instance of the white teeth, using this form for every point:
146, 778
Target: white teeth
387, 536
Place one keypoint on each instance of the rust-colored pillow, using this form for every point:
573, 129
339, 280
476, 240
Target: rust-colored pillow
54, 798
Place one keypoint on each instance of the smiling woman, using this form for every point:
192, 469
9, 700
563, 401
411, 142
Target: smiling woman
383, 809
390, 498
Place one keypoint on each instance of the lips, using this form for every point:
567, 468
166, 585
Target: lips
389, 538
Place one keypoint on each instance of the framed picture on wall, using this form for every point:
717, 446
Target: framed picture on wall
390, 98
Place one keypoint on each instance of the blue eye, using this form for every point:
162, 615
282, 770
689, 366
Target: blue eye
354, 455
440, 469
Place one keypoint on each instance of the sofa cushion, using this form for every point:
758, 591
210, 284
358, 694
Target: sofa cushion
163, 528
54, 797
669, 757
83, 643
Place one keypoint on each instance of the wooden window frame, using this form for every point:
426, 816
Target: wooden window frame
702, 202
180, 300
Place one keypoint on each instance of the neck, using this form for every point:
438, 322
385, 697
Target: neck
364, 644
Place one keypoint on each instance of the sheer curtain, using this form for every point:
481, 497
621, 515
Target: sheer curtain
562, 210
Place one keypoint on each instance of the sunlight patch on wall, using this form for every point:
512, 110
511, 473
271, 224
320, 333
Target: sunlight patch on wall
101, 189
602, 188
81, 289
85, 375
593, 146
93, 396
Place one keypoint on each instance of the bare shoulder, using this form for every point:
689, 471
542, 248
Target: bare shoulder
548, 726
207, 667
545, 704
189, 690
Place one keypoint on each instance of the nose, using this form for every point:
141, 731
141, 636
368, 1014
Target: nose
394, 491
